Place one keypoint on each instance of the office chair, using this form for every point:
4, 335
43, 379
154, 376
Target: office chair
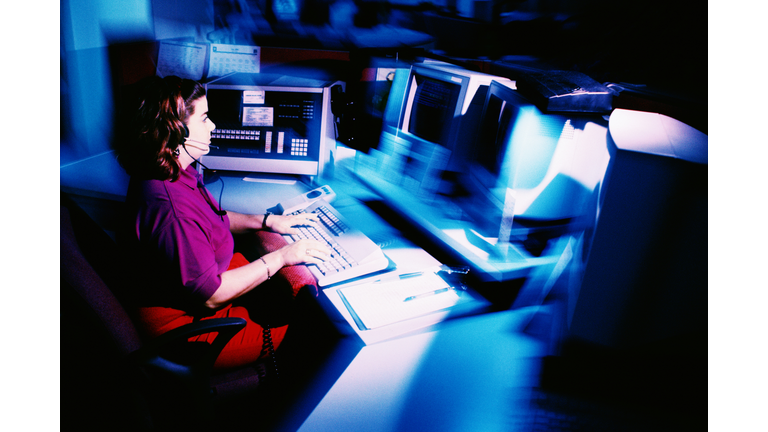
110, 375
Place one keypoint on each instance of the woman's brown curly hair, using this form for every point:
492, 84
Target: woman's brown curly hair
156, 126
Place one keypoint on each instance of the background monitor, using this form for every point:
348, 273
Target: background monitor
433, 104
539, 166
270, 124
441, 105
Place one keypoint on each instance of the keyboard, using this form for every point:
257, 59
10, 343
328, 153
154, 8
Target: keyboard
353, 253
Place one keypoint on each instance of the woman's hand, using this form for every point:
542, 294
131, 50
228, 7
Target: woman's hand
305, 252
286, 224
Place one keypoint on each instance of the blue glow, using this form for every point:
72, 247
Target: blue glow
472, 375
531, 149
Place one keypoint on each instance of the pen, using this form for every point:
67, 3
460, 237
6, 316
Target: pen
427, 294
400, 277
459, 270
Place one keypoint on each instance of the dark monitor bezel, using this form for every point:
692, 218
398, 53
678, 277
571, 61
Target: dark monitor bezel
476, 170
432, 72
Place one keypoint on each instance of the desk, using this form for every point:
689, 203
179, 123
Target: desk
254, 197
475, 373
386, 367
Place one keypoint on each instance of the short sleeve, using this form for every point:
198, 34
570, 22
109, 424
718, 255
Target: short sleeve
187, 244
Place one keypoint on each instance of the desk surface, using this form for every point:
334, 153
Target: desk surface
474, 373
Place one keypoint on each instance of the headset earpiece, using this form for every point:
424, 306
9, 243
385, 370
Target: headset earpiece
185, 130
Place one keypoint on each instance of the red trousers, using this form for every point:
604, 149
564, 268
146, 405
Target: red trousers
246, 346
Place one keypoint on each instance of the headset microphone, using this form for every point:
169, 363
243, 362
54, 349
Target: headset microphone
207, 145
184, 143
187, 140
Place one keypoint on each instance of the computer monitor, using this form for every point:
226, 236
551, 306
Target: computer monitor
270, 124
529, 164
644, 283
440, 108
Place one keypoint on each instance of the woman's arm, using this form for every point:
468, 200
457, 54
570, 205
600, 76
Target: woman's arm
239, 281
241, 223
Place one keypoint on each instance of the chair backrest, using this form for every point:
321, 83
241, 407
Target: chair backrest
124, 382
90, 277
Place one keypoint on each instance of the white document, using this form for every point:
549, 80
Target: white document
226, 59
379, 304
258, 116
183, 59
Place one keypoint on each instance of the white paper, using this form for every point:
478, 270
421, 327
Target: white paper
183, 59
379, 304
258, 116
226, 59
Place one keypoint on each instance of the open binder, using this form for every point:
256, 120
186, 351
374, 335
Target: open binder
380, 303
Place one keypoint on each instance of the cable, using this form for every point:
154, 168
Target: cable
219, 212
194, 158
268, 347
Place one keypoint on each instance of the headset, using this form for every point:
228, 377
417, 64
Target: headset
186, 142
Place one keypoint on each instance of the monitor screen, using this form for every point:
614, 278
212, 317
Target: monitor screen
515, 141
494, 126
262, 130
433, 108
429, 123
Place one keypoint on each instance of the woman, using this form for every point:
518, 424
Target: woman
182, 239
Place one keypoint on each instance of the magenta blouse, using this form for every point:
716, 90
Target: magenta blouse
184, 246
